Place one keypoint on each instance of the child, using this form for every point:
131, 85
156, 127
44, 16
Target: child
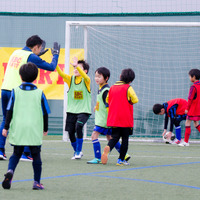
27, 121
102, 75
193, 106
34, 48
121, 98
175, 110
78, 103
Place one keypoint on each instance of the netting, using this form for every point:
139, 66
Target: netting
161, 58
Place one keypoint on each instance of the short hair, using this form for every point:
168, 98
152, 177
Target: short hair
195, 72
157, 108
85, 65
127, 75
33, 40
28, 72
104, 71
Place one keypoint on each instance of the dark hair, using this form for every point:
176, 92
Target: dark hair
195, 72
33, 40
104, 71
157, 108
28, 72
127, 75
85, 65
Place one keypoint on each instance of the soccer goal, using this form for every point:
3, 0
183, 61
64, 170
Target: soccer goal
160, 53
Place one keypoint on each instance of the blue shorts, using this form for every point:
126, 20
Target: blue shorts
103, 131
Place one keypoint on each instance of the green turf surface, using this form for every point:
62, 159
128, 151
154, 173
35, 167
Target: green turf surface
157, 171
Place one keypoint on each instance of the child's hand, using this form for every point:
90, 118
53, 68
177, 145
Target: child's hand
75, 62
186, 111
45, 133
165, 131
4, 132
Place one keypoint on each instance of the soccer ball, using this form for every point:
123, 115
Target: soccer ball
167, 138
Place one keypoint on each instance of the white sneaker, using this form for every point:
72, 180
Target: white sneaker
73, 158
184, 144
78, 155
176, 141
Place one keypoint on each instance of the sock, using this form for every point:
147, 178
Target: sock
79, 144
178, 132
73, 145
187, 133
97, 148
198, 128
118, 146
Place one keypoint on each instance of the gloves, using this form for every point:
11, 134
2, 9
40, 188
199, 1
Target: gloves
56, 49
43, 51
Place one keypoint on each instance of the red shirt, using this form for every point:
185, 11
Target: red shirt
120, 112
181, 106
194, 100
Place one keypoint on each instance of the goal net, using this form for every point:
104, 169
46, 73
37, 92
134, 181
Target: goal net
160, 53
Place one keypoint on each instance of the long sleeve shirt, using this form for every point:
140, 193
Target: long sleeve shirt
67, 78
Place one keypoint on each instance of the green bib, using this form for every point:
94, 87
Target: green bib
12, 78
101, 113
26, 127
78, 98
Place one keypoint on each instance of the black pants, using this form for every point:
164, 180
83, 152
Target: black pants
124, 134
37, 163
74, 124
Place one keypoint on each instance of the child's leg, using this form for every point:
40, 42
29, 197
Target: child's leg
37, 163
196, 125
125, 132
117, 146
14, 159
187, 130
81, 120
70, 128
96, 144
178, 132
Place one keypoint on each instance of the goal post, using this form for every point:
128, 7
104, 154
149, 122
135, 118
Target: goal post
160, 53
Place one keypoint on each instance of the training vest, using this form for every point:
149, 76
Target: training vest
182, 105
26, 127
12, 78
120, 112
194, 110
101, 112
78, 98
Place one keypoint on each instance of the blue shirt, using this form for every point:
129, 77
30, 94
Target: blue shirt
41, 63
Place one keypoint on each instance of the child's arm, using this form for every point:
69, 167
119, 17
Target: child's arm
191, 96
66, 77
132, 97
9, 114
83, 74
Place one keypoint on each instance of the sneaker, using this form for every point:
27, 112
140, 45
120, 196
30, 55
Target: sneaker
127, 157
125, 163
119, 162
24, 157
94, 161
2, 155
78, 155
184, 144
37, 186
73, 158
104, 157
176, 141
6, 184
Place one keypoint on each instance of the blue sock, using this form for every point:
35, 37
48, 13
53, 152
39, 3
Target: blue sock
79, 144
118, 146
97, 148
178, 132
74, 145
